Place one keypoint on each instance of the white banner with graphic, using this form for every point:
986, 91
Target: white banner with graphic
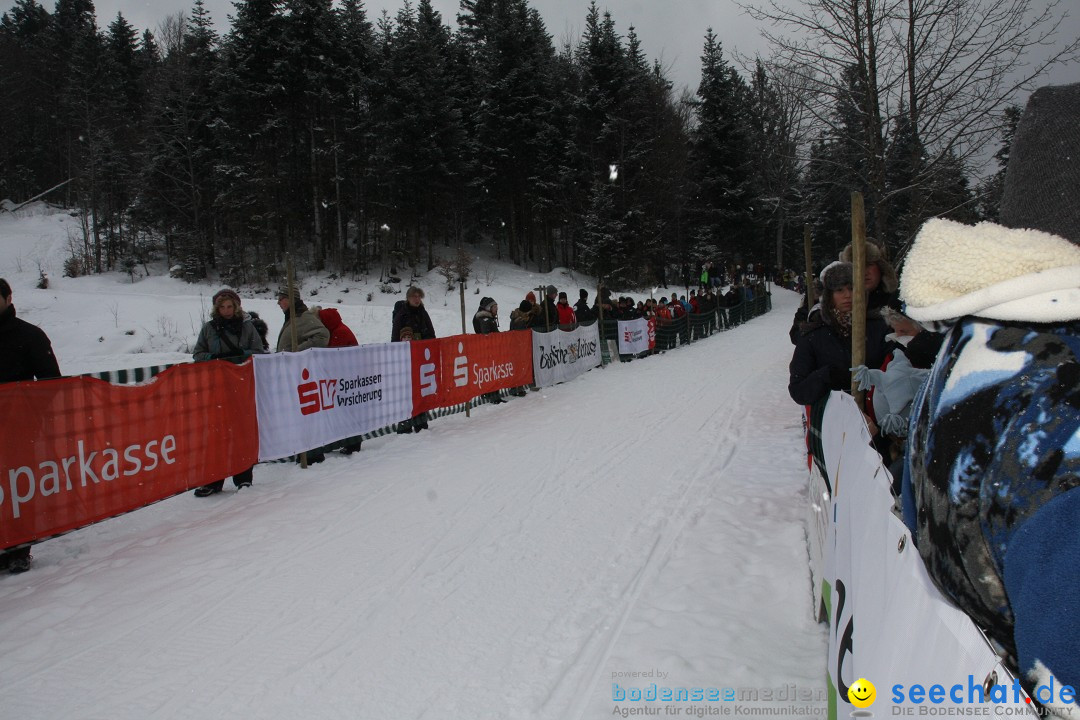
308, 399
634, 336
888, 621
562, 355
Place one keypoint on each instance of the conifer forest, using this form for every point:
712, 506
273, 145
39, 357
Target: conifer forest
354, 144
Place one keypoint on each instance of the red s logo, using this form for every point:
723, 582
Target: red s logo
309, 395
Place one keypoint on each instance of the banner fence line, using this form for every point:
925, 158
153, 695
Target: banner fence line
718, 320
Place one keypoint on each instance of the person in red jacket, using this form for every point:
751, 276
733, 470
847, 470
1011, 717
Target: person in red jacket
340, 334
566, 313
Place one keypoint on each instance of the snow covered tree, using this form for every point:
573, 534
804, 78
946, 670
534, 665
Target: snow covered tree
721, 210
178, 189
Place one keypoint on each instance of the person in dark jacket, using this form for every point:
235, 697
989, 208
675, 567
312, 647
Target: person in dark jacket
549, 311
486, 319
413, 319
582, 310
880, 280
25, 350
822, 358
25, 354
230, 335
524, 316
485, 322
412, 322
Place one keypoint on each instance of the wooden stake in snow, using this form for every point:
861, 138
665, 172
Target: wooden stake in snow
858, 289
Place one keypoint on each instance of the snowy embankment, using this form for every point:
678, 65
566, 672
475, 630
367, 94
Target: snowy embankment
645, 518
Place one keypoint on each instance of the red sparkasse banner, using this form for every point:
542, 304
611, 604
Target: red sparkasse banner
478, 364
79, 450
454, 370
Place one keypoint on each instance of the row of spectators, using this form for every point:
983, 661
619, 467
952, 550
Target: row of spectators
979, 415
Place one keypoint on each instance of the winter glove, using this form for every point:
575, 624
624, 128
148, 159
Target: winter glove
893, 425
839, 378
866, 377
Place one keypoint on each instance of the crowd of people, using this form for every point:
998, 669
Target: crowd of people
979, 416
233, 334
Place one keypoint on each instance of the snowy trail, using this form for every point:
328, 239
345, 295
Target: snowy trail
649, 515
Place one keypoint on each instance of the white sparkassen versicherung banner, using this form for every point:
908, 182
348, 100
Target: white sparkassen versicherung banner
633, 336
308, 399
562, 355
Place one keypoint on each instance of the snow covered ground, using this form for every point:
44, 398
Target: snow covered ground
642, 524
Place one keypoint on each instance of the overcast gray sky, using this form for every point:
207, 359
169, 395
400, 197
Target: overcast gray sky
671, 31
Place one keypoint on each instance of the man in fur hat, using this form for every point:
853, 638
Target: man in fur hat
880, 279
992, 483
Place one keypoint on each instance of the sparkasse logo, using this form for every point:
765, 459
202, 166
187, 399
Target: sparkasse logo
315, 395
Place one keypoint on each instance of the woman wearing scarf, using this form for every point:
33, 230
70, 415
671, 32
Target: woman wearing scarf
822, 358
230, 335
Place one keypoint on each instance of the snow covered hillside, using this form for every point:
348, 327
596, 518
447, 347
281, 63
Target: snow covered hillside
642, 524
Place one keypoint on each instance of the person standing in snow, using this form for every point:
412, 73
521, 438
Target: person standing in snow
230, 335
822, 358
524, 316
581, 308
879, 280
310, 332
412, 322
25, 354
341, 335
566, 313
991, 489
549, 309
485, 322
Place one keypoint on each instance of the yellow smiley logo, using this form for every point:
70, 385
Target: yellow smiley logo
862, 693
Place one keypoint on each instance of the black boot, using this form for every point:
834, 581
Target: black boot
211, 489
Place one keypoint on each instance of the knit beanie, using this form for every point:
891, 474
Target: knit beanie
227, 294
1043, 175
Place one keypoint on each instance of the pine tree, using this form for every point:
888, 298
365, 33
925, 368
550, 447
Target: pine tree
992, 188
721, 211
311, 71
28, 161
353, 132
254, 195
178, 183
510, 114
